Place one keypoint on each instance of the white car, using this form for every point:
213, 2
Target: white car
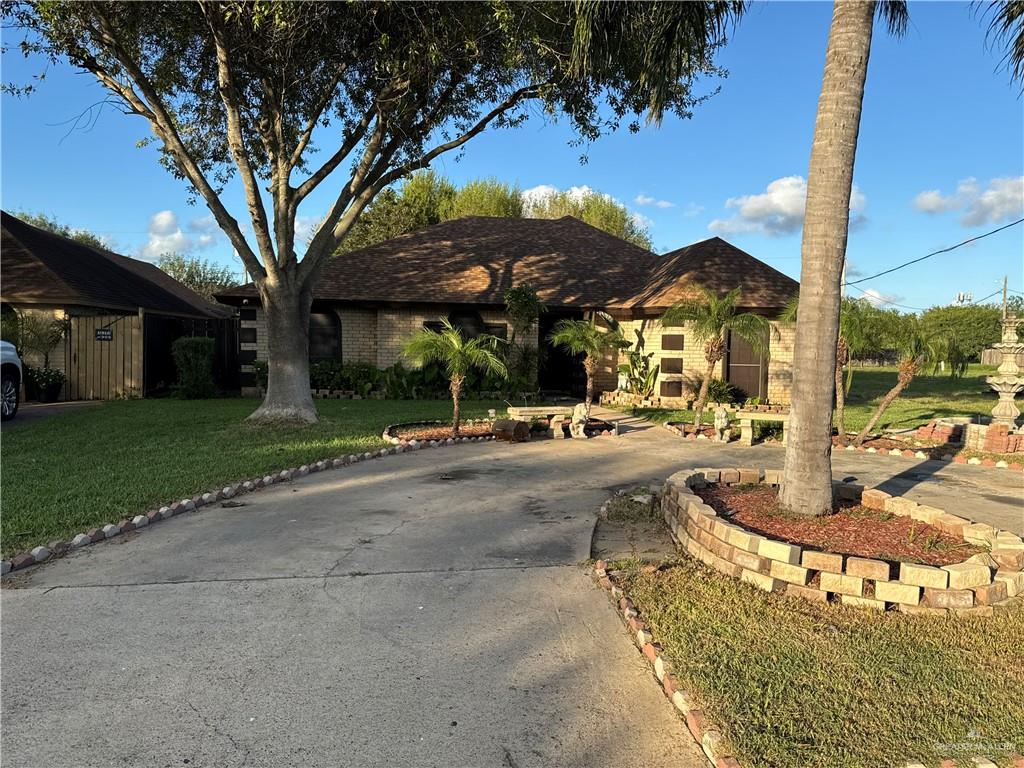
10, 380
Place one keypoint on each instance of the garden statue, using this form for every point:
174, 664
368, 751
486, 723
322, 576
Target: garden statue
577, 425
721, 424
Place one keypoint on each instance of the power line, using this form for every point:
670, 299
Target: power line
1000, 290
881, 300
936, 253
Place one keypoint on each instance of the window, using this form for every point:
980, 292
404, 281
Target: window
469, 323
671, 365
324, 336
672, 341
671, 389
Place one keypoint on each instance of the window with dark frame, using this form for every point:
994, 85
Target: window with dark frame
324, 336
671, 365
672, 342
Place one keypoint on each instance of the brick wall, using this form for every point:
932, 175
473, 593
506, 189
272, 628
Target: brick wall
780, 365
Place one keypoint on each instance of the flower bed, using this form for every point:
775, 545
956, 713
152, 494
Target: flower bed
980, 584
396, 434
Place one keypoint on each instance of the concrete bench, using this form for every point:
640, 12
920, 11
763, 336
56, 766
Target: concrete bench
747, 419
553, 413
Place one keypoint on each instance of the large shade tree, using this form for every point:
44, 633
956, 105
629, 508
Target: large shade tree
252, 90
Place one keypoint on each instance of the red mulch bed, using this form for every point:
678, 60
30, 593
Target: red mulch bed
440, 432
850, 530
887, 444
690, 429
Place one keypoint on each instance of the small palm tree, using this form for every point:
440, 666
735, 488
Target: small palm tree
916, 348
854, 340
457, 355
584, 337
711, 318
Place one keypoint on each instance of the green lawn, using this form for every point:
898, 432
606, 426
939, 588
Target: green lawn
795, 683
64, 474
926, 398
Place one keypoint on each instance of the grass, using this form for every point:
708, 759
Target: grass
928, 397
65, 474
795, 683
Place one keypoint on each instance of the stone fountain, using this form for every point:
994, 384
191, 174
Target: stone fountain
1007, 382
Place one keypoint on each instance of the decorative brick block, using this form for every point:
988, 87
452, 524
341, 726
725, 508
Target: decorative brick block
950, 524
750, 541
750, 476
926, 514
696, 724
730, 476
988, 594
849, 491
762, 581
873, 498
822, 561
842, 584
948, 598
1014, 581
898, 505
807, 593
793, 574
897, 592
967, 575
863, 602
924, 575
866, 568
777, 550
751, 561
981, 534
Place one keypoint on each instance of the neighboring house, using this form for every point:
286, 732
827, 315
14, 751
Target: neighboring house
120, 314
368, 302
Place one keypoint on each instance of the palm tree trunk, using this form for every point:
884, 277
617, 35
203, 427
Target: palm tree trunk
456, 390
590, 367
891, 395
807, 482
702, 396
840, 406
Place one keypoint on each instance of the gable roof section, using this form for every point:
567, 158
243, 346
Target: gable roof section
719, 266
474, 260
39, 267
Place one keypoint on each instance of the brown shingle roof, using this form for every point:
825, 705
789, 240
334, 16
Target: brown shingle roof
39, 267
474, 260
720, 266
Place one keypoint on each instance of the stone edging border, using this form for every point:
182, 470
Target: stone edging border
906, 453
101, 533
709, 739
980, 585
388, 437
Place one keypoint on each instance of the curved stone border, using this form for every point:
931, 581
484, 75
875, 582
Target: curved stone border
709, 739
388, 435
167, 511
974, 461
980, 585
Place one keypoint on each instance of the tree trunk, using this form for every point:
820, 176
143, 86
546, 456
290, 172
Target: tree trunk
702, 396
456, 390
908, 370
807, 482
840, 406
288, 398
590, 367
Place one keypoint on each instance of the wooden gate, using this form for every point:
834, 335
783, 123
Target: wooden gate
746, 370
104, 354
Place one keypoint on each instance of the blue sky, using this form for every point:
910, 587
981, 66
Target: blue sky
941, 158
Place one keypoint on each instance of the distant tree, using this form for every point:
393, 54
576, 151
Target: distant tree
457, 355
202, 276
418, 202
584, 337
711, 318
594, 208
50, 224
974, 327
487, 197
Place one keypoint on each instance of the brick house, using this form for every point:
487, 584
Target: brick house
369, 301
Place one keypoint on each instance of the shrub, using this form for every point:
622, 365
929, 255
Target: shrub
193, 357
259, 369
43, 384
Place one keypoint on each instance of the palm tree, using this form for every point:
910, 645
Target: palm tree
584, 337
916, 348
711, 318
457, 355
853, 341
807, 481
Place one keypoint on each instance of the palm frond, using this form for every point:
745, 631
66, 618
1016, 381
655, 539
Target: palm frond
1006, 27
895, 15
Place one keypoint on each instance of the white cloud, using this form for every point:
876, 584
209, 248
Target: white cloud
779, 210
205, 224
534, 195
643, 199
1001, 200
305, 228
879, 299
641, 221
692, 209
167, 236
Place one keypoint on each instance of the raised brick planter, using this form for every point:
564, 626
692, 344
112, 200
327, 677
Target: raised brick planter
174, 508
389, 436
982, 584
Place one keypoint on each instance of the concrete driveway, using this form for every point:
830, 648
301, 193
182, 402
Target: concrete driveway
420, 610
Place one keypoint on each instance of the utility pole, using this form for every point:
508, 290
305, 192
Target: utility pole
1005, 277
